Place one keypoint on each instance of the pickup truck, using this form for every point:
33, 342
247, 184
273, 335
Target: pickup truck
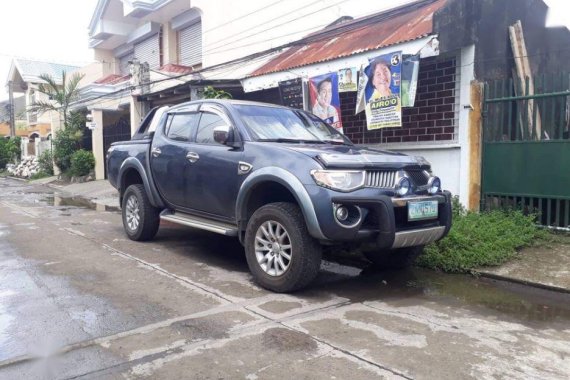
282, 181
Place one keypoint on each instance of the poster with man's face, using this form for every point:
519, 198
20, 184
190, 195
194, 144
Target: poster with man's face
324, 99
347, 79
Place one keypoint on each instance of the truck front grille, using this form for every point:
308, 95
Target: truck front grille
388, 178
381, 178
418, 177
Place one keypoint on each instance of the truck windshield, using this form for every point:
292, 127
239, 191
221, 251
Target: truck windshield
286, 125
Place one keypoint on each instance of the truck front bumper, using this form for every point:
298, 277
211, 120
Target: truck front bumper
384, 218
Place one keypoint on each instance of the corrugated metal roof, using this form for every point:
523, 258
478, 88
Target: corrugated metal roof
373, 32
31, 70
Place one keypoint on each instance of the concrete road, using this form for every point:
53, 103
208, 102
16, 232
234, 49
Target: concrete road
79, 300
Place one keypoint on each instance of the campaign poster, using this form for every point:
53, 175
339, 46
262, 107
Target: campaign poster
381, 91
347, 79
410, 69
324, 99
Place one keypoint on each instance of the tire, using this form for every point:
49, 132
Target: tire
135, 202
400, 258
269, 265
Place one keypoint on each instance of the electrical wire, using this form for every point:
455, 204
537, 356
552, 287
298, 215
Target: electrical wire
265, 23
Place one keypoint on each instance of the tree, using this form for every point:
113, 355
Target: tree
211, 93
60, 96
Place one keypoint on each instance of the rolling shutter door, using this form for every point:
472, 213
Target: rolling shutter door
190, 45
149, 51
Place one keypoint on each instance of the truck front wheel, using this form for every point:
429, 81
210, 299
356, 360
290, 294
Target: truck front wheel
280, 253
140, 218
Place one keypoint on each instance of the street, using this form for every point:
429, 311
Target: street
80, 300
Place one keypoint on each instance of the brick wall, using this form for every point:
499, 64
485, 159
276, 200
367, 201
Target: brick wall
431, 119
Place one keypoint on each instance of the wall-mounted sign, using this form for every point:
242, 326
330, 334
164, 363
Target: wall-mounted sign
91, 125
379, 91
291, 92
347, 79
324, 99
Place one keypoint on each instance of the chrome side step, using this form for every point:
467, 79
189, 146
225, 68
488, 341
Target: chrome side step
198, 222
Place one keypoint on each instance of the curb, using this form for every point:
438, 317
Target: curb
17, 178
520, 281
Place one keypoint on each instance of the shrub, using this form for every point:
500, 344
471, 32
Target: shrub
481, 239
82, 162
9, 150
65, 143
46, 162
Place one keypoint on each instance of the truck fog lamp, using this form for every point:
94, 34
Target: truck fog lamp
341, 213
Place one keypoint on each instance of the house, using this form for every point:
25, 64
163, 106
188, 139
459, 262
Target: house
23, 81
19, 117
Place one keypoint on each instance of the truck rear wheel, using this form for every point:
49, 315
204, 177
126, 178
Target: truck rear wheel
400, 258
140, 218
280, 253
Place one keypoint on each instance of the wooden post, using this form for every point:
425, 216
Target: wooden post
475, 145
524, 74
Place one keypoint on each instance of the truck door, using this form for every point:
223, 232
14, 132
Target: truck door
214, 180
169, 163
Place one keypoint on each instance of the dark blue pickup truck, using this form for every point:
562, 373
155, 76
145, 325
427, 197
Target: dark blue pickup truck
280, 180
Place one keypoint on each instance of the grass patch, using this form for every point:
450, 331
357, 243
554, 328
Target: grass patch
482, 239
39, 175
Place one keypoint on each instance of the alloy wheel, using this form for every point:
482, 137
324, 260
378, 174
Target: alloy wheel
273, 248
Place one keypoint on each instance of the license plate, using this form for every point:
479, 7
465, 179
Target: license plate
422, 210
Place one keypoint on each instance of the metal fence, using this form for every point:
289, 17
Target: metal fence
526, 147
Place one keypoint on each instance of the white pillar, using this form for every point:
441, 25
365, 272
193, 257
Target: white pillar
169, 44
467, 73
97, 144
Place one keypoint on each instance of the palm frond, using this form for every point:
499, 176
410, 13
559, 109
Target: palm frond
72, 87
41, 106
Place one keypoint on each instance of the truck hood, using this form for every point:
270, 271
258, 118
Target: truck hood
353, 157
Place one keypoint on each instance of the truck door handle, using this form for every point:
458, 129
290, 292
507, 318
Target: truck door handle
155, 152
192, 157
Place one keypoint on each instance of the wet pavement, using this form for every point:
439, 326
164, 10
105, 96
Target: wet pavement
80, 300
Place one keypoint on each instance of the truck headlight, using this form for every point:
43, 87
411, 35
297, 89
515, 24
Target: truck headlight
340, 180
434, 185
403, 186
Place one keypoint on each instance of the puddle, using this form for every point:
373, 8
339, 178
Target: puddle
523, 303
75, 202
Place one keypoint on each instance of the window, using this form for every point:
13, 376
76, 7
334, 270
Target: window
208, 122
181, 126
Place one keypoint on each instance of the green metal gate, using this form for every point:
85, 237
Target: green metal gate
526, 147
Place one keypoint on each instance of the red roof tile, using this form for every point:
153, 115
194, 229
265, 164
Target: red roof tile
178, 69
383, 29
112, 79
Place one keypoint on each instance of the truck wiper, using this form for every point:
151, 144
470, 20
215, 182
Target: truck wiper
288, 140
336, 142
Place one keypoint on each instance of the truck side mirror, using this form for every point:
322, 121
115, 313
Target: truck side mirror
224, 134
